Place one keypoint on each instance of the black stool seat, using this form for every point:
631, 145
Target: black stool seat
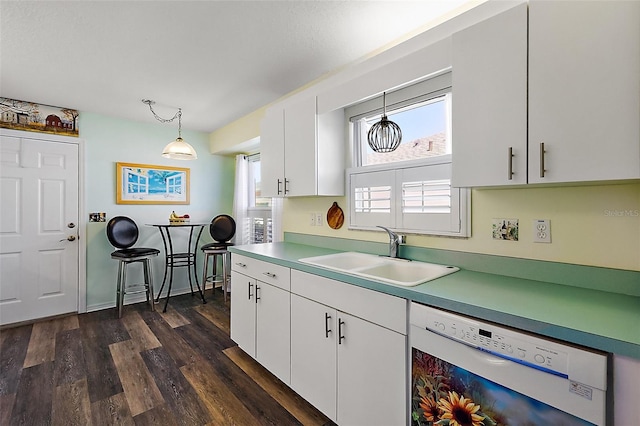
132, 253
216, 245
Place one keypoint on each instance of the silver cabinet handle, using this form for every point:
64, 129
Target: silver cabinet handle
510, 163
542, 151
327, 330
257, 289
279, 183
242, 265
286, 189
249, 288
269, 274
340, 335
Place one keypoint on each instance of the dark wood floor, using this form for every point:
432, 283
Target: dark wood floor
148, 368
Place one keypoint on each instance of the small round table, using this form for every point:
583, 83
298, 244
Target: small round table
179, 259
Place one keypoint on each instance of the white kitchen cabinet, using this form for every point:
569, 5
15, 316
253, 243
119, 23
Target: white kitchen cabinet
313, 353
584, 90
260, 313
626, 376
272, 153
371, 374
344, 348
489, 108
243, 312
581, 86
302, 152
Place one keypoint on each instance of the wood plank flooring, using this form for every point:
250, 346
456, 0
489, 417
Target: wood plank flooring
147, 368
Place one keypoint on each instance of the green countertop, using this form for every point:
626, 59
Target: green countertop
597, 319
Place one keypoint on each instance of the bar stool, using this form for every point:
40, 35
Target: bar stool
122, 233
222, 229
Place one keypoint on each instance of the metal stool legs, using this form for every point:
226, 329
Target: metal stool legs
147, 286
215, 277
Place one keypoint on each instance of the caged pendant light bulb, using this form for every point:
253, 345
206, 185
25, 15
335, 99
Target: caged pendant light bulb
385, 135
178, 149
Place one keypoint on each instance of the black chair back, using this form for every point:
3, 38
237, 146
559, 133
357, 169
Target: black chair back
122, 232
222, 228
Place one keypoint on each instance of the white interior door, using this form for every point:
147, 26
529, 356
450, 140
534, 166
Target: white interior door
39, 213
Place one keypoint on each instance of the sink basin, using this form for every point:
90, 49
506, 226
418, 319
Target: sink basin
378, 268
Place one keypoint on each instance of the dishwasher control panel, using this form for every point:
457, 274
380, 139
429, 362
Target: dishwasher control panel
500, 341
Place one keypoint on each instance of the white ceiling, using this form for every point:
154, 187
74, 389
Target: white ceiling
217, 60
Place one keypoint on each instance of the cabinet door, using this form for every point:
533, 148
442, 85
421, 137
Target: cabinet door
273, 330
272, 153
489, 108
313, 353
300, 156
243, 312
372, 372
584, 102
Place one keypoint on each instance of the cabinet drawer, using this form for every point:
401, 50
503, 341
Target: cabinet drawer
379, 308
267, 272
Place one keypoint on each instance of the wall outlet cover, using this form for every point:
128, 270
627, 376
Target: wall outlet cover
505, 229
542, 231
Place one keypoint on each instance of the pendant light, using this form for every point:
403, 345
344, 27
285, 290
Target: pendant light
385, 135
178, 149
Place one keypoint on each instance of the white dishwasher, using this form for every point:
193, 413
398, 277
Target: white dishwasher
472, 372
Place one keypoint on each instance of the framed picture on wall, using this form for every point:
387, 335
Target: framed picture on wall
149, 184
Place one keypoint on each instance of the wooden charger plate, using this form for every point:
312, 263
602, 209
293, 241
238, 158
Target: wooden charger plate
335, 216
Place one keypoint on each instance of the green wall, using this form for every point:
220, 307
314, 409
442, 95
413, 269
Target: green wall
109, 140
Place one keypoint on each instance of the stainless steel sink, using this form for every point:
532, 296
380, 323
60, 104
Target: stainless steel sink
378, 268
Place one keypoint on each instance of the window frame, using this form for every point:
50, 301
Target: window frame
256, 212
456, 223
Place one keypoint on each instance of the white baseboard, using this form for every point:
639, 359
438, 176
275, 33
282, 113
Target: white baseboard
130, 300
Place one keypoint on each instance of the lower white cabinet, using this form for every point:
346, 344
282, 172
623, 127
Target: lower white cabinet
314, 353
260, 314
352, 369
341, 347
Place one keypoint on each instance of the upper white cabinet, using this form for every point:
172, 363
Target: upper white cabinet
272, 153
302, 152
580, 81
584, 90
489, 108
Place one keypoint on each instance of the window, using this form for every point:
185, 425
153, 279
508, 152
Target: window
259, 210
409, 189
137, 183
174, 184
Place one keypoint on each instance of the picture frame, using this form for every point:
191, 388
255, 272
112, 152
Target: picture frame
151, 184
32, 117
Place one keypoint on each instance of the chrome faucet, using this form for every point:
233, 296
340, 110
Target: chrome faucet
394, 241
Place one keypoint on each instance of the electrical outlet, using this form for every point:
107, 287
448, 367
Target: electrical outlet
319, 219
312, 221
542, 231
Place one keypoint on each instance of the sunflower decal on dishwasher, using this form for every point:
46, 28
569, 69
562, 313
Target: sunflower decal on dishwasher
460, 411
444, 394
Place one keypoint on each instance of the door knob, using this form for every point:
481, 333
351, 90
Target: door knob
69, 238
71, 225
